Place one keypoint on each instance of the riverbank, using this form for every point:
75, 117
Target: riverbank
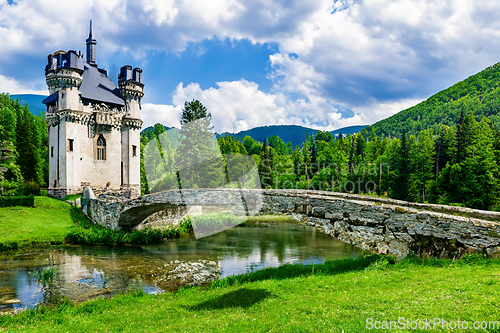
53, 222
336, 296
47, 223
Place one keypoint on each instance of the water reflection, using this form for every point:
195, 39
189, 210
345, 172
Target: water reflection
89, 272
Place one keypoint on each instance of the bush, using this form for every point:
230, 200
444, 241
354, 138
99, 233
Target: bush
87, 233
186, 226
26, 201
29, 188
215, 221
4, 246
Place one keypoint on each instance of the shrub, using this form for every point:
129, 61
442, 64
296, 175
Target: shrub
186, 226
29, 188
26, 201
86, 233
215, 221
4, 246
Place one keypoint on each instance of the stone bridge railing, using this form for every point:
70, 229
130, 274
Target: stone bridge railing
375, 224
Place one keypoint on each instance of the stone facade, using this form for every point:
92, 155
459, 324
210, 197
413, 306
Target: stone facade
94, 126
374, 224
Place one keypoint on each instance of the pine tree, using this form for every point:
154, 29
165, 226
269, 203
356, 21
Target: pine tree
198, 158
307, 158
421, 166
27, 145
5, 155
264, 166
401, 171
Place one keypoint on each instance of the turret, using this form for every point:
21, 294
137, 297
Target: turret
91, 48
131, 90
63, 75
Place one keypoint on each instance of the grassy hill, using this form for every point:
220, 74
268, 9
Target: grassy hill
479, 93
49, 222
288, 133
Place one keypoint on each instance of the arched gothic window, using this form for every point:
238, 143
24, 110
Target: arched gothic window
101, 148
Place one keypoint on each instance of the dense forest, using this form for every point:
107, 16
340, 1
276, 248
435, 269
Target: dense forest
24, 146
453, 164
479, 93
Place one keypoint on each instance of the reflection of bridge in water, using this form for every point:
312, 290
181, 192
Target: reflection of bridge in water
375, 224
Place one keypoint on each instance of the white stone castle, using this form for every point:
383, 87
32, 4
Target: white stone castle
94, 126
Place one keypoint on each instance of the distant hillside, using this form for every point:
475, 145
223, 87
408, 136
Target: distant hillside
479, 93
173, 134
34, 101
288, 133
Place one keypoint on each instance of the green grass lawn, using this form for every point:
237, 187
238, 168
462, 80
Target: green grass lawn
47, 223
339, 300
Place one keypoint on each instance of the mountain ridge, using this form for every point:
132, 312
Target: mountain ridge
479, 93
34, 102
295, 134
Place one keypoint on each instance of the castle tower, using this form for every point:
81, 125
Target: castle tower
94, 126
131, 91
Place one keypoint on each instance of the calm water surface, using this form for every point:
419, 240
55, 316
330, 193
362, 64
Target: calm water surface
87, 272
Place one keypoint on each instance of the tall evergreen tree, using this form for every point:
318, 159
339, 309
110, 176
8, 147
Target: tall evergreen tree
401, 163
198, 157
28, 145
421, 166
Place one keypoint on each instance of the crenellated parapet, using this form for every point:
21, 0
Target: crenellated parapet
109, 119
69, 116
64, 79
64, 70
132, 123
131, 90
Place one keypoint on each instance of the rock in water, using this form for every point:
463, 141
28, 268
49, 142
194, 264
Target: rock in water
193, 273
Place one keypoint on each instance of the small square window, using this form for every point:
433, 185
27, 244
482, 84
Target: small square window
70, 144
134, 151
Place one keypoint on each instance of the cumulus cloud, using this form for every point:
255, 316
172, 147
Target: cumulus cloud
390, 50
240, 105
167, 115
368, 56
12, 86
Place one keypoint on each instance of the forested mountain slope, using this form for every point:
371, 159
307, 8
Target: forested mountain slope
479, 93
288, 133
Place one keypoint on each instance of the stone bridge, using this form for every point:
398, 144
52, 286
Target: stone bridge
375, 224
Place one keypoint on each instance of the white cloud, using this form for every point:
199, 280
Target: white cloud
167, 115
161, 11
240, 105
370, 56
11, 86
375, 111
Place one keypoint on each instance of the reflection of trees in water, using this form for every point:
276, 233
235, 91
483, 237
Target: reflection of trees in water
88, 272
282, 241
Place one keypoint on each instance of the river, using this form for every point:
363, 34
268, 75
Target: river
87, 272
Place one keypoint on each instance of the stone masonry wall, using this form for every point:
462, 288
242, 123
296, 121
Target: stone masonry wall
375, 224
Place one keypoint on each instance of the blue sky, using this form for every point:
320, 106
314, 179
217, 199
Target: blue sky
317, 63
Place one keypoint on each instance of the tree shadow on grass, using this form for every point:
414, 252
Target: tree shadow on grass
289, 271
243, 298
